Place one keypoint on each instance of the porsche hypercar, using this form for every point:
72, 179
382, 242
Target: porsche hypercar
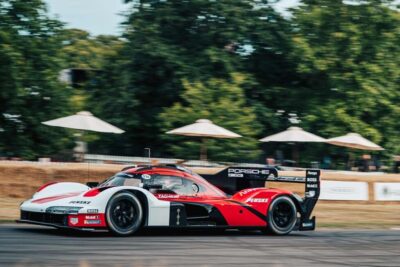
174, 197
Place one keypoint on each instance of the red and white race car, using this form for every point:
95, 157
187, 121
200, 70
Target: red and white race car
172, 196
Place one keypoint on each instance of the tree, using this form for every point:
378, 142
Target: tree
29, 88
222, 101
348, 58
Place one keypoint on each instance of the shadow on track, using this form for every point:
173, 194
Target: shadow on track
145, 232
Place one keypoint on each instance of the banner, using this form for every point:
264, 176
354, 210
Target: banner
337, 190
387, 191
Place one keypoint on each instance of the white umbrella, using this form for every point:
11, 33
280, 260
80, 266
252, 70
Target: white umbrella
204, 128
293, 134
85, 121
354, 140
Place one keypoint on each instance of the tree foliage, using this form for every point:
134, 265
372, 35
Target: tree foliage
348, 58
29, 89
83, 51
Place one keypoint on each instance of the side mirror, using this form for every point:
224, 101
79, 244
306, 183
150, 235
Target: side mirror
92, 184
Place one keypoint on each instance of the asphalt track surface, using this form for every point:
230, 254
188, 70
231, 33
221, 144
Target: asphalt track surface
25, 245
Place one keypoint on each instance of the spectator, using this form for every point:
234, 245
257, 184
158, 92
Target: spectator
396, 165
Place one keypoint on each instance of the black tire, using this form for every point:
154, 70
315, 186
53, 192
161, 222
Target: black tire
282, 216
124, 214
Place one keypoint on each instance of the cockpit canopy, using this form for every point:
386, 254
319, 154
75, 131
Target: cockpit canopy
165, 182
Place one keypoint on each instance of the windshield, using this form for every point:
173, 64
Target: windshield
122, 179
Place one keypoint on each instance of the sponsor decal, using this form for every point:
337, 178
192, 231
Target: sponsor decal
178, 216
73, 220
258, 200
79, 202
246, 191
248, 171
387, 191
234, 172
338, 190
92, 211
146, 176
167, 196
92, 221
287, 178
310, 193
92, 217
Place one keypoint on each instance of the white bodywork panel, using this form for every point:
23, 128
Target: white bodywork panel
60, 188
67, 194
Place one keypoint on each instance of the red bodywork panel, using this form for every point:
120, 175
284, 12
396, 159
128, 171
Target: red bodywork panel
87, 220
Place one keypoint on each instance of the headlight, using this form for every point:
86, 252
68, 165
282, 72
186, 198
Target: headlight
63, 210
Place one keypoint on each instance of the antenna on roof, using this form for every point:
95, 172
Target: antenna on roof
148, 154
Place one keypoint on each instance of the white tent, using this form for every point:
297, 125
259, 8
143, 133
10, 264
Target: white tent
354, 140
292, 135
206, 129
85, 121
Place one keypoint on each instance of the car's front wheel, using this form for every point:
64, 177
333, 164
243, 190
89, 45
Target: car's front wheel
124, 214
282, 216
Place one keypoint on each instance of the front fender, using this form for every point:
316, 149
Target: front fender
158, 211
60, 188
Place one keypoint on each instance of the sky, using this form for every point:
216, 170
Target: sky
94, 16
103, 16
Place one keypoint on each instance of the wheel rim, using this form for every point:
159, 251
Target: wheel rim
283, 215
123, 214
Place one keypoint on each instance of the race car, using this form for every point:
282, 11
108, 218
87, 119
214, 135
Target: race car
174, 197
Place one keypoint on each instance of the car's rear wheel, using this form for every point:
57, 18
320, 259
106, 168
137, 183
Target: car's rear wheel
282, 216
124, 214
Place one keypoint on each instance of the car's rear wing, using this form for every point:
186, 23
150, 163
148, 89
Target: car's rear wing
311, 181
234, 179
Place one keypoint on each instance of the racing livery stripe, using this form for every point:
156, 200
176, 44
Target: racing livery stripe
53, 198
251, 209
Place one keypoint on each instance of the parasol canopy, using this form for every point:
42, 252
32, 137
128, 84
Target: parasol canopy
354, 140
293, 134
206, 129
85, 121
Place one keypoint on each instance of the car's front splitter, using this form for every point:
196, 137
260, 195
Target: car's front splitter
59, 226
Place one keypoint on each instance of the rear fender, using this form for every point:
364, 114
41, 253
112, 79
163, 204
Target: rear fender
260, 198
259, 195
